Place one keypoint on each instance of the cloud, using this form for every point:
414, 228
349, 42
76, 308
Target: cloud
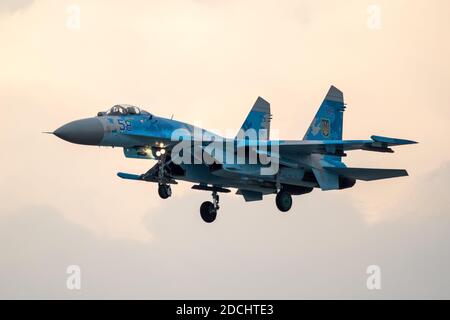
63, 204
11, 6
319, 250
209, 62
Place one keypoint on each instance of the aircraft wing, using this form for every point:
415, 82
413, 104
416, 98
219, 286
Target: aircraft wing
288, 148
332, 147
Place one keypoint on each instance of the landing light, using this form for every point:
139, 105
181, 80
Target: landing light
163, 151
158, 153
148, 151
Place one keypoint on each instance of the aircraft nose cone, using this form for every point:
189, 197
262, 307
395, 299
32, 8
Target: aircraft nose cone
86, 131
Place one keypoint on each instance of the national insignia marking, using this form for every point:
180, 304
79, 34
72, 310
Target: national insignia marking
325, 124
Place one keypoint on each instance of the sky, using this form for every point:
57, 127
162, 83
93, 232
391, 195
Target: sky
206, 62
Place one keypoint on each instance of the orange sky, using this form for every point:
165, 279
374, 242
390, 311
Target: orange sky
206, 62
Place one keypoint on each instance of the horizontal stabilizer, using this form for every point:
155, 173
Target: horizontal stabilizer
368, 174
391, 141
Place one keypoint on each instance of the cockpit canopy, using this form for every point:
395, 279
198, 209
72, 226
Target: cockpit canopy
123, 110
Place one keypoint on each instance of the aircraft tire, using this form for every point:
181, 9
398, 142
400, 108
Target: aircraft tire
208, 212
164, 191
283, 201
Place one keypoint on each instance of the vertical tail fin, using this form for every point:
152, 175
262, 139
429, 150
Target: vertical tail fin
328, 122
258, 118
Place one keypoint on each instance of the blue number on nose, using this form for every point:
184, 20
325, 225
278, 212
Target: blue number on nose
121, 124
124, 125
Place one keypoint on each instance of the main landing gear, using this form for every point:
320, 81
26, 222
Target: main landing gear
164, 190
283, 201
208, 209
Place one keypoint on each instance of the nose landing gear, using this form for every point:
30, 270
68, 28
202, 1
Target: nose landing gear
208, 209
164, 189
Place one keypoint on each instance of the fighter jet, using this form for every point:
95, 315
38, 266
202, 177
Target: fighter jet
250, 162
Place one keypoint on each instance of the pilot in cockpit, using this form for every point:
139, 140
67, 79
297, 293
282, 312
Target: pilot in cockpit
117, 110
123, 110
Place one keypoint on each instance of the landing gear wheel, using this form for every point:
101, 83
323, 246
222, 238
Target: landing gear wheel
283, 201
164, 191
208, 212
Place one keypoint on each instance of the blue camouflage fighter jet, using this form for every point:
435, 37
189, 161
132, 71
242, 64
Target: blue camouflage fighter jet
251, 162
